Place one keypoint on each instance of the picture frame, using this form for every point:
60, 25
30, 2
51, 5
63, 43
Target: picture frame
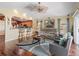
49, 23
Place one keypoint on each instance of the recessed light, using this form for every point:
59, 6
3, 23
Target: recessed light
24, 14
15, 11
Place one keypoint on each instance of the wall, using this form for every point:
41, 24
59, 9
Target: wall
76, 28
2, 25
63, 23
10, 12
9, 32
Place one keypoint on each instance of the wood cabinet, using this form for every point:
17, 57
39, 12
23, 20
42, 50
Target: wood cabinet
2, 44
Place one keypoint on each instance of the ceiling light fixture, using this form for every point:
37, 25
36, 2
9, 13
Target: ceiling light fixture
39, 7
15, 11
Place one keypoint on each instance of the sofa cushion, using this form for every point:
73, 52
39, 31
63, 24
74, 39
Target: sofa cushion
63, 42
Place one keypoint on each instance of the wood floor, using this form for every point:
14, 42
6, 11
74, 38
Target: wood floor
74, 51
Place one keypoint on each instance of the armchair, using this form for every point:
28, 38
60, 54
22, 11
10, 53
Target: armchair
57, 50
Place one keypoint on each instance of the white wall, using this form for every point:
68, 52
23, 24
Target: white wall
10, 34
2, 25
76, 29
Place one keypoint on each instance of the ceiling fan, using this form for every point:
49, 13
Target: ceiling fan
39, 7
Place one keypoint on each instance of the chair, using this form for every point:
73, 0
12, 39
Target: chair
36, 36
57, 50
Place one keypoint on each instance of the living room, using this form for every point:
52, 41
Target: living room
39, 28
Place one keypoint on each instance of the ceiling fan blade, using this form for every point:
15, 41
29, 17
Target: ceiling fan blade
31, 7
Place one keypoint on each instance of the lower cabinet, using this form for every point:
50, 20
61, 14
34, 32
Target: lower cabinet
2, 44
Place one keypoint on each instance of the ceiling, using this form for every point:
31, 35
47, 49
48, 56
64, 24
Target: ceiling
54, 8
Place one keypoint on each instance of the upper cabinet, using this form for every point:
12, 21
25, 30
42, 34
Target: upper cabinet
2, 16
21, 22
